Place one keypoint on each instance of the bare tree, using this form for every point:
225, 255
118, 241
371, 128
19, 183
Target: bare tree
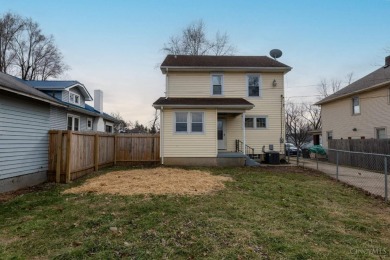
10, 25
193, 41
37, 57
26, 51
297, 126
155, 125
312, 114
221, 45
121, 126
327, 88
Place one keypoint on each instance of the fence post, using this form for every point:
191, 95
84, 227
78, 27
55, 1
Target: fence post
386, 188
115, 146
316, 160
59, 156
337, 165
288, 155
298, 157
68, 156
96, 152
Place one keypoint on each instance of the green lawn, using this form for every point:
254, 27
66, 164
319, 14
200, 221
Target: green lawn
275, 213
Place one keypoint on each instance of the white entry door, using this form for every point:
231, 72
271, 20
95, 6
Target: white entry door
221, 134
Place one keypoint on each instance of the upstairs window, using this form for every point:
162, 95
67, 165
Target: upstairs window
74, 98
355, 106
189, 122
217, 84
253, 85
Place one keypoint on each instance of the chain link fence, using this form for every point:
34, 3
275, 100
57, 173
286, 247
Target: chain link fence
367, 171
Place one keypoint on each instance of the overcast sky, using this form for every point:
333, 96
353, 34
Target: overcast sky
116, 45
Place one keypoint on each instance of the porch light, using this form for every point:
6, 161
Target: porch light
274, 83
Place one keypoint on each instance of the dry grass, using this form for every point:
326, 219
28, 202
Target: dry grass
153, 181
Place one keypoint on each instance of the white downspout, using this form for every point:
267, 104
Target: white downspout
166, 84
162, 135
243, 133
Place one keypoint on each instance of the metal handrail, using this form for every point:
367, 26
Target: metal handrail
248, 150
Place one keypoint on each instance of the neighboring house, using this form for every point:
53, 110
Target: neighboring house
216, 104
24, 126
360, 110
78, 116
26, 116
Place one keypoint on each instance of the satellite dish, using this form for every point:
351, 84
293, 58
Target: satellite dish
275, 53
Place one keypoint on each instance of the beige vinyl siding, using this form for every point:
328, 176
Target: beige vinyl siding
193, 144
233, 131
269, 105
374, 113
198, 84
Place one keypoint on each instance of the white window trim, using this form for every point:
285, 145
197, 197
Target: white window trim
247, 85
189, 123
254, 117
73, 117
222, 84
388, 96
70, 92
90, 119
109, 124
353, 107
376, 131
327, 134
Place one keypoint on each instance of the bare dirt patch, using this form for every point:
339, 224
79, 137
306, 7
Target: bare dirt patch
153, 181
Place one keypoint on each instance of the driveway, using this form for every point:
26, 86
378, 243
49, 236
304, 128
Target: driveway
372, 182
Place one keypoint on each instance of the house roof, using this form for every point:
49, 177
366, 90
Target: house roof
15, 85
376, 79
227, 103
88, 110
222, 62
58, 85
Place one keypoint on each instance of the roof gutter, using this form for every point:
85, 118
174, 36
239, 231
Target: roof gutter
352, 93
164, 69
245, 107
32, 96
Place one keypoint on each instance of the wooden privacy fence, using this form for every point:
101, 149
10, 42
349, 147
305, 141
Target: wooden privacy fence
370, 147
74, 154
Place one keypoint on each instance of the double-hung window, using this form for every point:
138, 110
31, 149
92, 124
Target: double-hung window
329, 135
256, 122
89, 123
73, 123
189, 122
74, 98
355, 106
381, 133
217, 84
253, 82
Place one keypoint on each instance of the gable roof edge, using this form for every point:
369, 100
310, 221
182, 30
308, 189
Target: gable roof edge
321, 102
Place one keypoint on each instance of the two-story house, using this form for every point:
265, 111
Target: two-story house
214, 105
360, 110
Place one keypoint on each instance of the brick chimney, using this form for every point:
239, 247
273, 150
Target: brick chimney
387, 61
98, 100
